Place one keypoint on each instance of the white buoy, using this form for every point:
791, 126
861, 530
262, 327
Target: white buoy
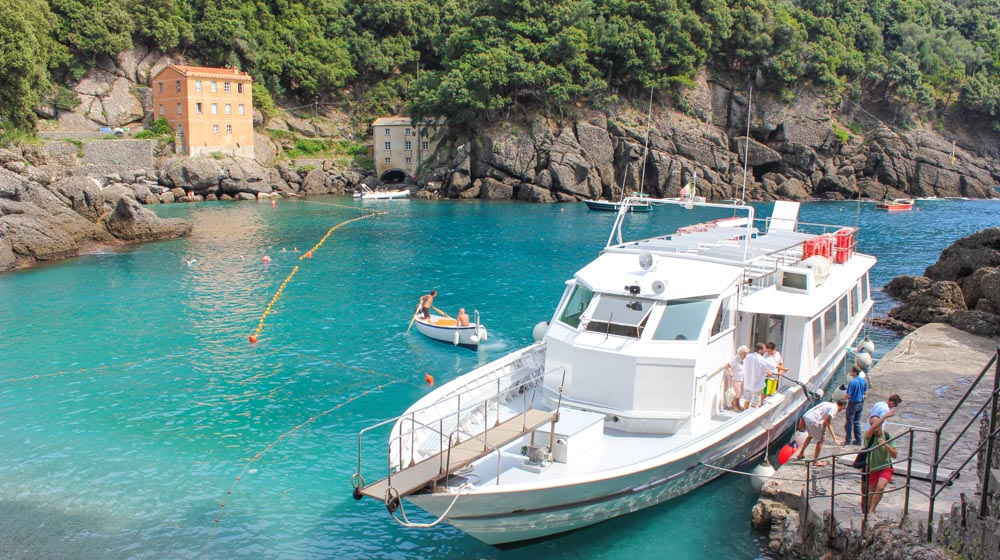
474, 339
863, 361
761, 474
539, 331
839, 393
866, 345
483, 335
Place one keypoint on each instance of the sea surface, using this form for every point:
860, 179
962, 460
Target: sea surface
138, 421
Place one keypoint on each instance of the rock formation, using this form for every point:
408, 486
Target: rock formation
66, 216
961, 288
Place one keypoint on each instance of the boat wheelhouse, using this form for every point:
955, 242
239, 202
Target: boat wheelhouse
620, 404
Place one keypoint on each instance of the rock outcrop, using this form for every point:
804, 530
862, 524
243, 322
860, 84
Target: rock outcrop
69, 215
962, 288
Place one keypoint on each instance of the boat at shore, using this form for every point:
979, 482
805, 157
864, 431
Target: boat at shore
620, 404
447, 330
367, 193
896, 205
610, 206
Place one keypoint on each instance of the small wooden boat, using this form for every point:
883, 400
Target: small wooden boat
367, 193
447, 330
896, 205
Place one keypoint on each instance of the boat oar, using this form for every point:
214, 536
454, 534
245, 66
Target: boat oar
442, 312
412, 319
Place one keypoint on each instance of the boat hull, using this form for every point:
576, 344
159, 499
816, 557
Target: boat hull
896, 206
607, 206
385, 195
446, 330
497, 515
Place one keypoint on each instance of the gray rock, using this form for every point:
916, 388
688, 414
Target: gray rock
901, 287
534, 193
82, 194
264, 150
964, 256
571, 169
314, 183
132, 222
491, 189
931, 305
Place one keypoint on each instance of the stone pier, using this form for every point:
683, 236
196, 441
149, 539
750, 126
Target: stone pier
930, 369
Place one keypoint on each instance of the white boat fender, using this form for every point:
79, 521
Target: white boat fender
457, 336
840, 393
474, 339
799, 438
761, 474
538, 332
863, 361
866, 345
483, 335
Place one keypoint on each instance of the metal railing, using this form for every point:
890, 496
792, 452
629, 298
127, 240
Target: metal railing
937, 483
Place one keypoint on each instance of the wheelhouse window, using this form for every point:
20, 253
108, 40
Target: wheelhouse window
724, 318
842, 314
864, 288
855, 294
682, 319
576, 305
619, 315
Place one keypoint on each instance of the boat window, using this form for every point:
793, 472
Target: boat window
817, 337
855, 293
578, 302
619, 316
724, 318
829, 325
682, 319
842, 314
864, 288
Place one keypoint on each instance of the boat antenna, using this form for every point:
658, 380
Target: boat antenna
645, 148
746, 148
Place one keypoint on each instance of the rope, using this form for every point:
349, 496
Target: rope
405, 521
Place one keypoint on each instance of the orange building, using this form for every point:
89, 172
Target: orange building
210, 109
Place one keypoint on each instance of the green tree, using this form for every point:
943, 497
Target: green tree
26, 53
91, 28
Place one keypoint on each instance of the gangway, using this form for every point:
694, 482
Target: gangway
440, 465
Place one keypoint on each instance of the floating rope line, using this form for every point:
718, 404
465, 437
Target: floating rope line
97, 368
307, 255
274, 442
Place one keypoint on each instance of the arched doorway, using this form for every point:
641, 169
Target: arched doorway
395, 175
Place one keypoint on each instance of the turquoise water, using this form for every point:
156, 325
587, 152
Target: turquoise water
137, 421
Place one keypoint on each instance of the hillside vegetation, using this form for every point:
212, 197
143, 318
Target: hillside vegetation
480, 60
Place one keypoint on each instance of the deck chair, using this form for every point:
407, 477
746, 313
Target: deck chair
785, 215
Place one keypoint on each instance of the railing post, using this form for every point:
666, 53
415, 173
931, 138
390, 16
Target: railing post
833, 493
934, 475
984, 494
909, 470
805, 509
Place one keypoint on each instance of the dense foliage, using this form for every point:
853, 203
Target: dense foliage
482, 59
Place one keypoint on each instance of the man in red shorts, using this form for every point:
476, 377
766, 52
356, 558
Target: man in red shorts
879, 460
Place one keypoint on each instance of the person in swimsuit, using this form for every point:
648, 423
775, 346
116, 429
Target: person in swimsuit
425, 304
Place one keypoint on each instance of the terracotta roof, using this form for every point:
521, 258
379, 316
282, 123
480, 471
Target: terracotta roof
232, 73
405, 121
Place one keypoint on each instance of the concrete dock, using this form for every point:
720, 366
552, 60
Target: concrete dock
931, 368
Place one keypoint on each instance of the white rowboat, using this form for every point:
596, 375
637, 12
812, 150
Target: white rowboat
447, 330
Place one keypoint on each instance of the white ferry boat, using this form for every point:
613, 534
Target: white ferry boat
620, 404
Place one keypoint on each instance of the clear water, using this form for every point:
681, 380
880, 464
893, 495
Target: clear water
136, 420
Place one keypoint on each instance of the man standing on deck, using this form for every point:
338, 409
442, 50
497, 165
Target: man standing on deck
756, 370
855, 402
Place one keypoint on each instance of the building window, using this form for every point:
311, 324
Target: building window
386, 131
424, 145
215, 128
407, 132
229, 109
409, 145
241, 109
239, 87
161, 109
229, 129
178, 85
161, 87
388, 145
214, 87
409, 161
228, 87
388, 161
179, 111
197, 85
215, 108
197, 108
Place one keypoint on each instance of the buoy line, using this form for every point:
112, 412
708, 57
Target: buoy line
274, 442
98, 368
307, 255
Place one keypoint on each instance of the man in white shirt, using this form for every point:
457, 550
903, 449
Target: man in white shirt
734, 377
818, 420
756, 370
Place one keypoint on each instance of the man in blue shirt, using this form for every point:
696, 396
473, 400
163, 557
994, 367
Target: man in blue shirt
855, 402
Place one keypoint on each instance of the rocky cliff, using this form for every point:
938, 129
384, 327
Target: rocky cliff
795, 151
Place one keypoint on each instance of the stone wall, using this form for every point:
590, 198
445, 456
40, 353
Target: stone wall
124, 153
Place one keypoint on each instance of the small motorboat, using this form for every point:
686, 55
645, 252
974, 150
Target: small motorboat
367, 193
447, 330
609, 206
896, 205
